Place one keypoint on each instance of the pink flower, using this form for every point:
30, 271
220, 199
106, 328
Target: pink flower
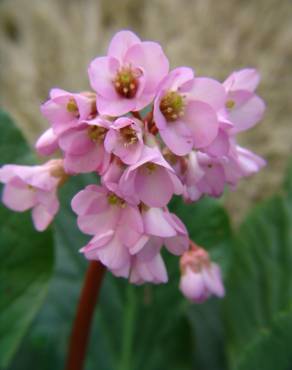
200, 277
65, 110
127, 78
47, 143
128, 239
125, 139
150, 271
185, 110
116, 226
206, 175
212, 178
151, 180
111, 176
160, 228
83, 147
33, 188
241, 163
244, 107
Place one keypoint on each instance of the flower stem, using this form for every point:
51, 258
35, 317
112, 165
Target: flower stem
81, 326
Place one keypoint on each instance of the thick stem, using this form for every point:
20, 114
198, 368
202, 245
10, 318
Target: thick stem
81, 326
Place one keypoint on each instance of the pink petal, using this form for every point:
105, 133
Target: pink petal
96, 242
18, 198
121, 42
202, 121
178, 137
89, 162
101, 73
115, 107
130, 226
151, 58
178, 79
192, 286
155, 223
214, 181
110, 140
208, 91
114, 254
150, 249
220, 145
83, 200
41, 217
248, 110
249, 162
139, 245
213, 280
177, 245
152, 271
99, 223
245, 79
154, 189
47, 143
76, 142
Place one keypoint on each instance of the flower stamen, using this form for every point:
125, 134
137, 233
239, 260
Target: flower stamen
96, 133
126, 82
172, 106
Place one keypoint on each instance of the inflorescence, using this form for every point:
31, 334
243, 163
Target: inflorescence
185, 144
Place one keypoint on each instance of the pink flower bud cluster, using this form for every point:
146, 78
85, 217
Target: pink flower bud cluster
185, 145
200, 277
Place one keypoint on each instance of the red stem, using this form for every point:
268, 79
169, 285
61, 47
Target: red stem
81, 326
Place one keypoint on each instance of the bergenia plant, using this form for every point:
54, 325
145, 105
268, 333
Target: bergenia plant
150, 133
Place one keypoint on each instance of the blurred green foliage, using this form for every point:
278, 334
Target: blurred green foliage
154, 327
26, 257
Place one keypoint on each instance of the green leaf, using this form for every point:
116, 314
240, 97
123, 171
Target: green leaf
26, 257
13, 147
259, 290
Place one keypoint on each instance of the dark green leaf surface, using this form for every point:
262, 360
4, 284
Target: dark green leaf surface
259, 290
26, 257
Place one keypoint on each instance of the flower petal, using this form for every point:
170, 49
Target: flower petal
121, 42
208, 91
202, 121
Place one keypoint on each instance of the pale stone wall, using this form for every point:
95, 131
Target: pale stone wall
45, 43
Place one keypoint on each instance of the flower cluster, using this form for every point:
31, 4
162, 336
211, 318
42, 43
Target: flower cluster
149, 133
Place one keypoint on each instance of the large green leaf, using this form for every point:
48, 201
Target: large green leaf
259, 290
26, 257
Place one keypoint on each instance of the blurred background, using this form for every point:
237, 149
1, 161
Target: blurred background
50, 43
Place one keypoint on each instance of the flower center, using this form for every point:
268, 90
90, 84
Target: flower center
151, 167
126, 82
57, 171
96, 133
172, 106
72, 107
230, 104
129, 136
30, 187
114, 200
